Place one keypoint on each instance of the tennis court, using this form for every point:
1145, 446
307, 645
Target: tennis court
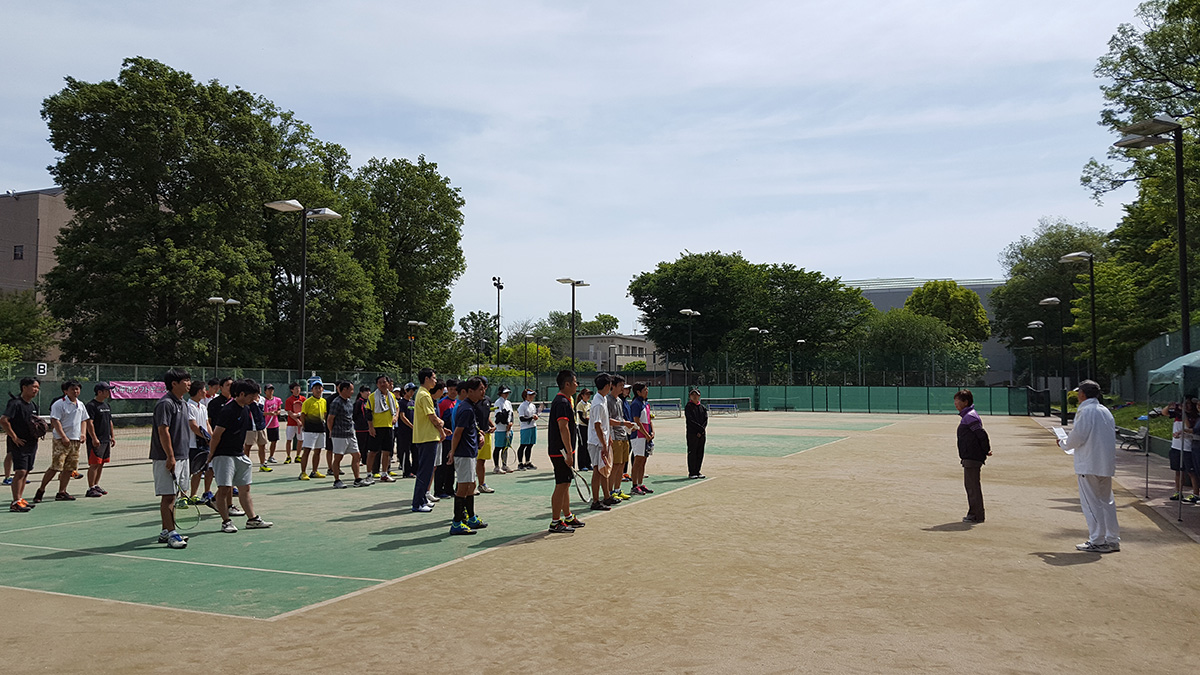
848, 557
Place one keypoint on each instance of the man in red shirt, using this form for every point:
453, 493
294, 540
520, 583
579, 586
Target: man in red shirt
292, 407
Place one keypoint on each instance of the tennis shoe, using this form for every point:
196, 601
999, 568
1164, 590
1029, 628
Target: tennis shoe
560, 526
18, 507
287, 460
164, 537
505, 469
424, 508
93, 492
611, 501
626, 479
75, 475
316, 474
101, 490
338, 485
393, 474
265, 469
574, 522
1192, 499
485, 489
272, 460
621, 495
374, 475
387, 478
236, 511
228, 527
646, 490
460, 528
235, 492
361, 482
476, 523
176, 540
63, 497
207, 496
257, 523
39, 496
531, 467
1176, 497
600, 506
303, 476
1090, 547
430, 498
8, 480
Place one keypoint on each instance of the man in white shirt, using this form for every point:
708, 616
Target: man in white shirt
599, 449
1093, 439
68, 419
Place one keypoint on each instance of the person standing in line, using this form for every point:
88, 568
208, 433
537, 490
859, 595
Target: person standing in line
599, 434
21, 435
620, 437
312, 417
169, 448
230, 464
69, 420
503, 437
974, 448
272, 405
643, 438
1178, 441
696, 416
465, 441
406, 460
197, 411
443, 475
527, 413
293, 437
101, 437
560, 443
340, 423
257, 433
581, 420
221, 398
381, 426
362, 427
1093, 439
483, 418
428, 433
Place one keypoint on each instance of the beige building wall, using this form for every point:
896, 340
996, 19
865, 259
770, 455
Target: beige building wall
29, 226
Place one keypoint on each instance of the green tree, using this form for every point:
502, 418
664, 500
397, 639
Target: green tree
479, 331
960, 308
603, 324
9, 353
26, 325
634, 367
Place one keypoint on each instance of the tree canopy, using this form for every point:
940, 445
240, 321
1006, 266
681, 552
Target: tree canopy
26, 327
959, 308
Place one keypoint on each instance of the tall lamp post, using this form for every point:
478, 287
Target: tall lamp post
219, 302
1080, 256
574, 283
525, 368
791, 368
289, 206
1143, 135
760, 332
537, 361
412, 339
1062, 353
499, 287
1028, 340
690, 314
1034, 325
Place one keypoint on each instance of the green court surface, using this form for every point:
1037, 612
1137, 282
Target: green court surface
325, 544
748, 445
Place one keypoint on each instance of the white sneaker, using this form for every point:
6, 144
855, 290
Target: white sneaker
485, 489
176, 541
236, 511
257, 523
430, 499
228, 527
337, 485
164, 537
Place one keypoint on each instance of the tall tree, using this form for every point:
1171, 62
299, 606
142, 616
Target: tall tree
960, 308
479, 331
25, 325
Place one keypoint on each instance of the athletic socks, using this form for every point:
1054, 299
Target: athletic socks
470, 506
460, 509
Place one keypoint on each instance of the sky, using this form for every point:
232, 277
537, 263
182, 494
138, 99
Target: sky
594, 140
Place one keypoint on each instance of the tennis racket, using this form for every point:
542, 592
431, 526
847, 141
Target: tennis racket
582, 487
186, 514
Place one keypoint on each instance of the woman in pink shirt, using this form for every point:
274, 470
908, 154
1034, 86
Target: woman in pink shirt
272, 405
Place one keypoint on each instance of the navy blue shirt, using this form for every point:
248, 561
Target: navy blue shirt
234, 419
464, 418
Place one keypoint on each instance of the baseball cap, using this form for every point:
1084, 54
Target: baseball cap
503, 390
101, 386
269, 387
409, 386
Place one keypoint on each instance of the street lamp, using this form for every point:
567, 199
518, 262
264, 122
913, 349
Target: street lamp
1080, 256
791, 368
760, 332
412, 338
575, 283
1062, 352
289, 206
1028, 339
1143, 135
219, 302
1033, 325
689, 313
499, 287
525, 368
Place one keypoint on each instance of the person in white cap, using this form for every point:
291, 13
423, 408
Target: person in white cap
1093, 439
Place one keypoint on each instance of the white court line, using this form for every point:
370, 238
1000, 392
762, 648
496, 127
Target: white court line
844, 438
76, 522
448, 563
186, 562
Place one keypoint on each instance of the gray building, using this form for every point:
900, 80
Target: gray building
612, 352
887, 294
29, 226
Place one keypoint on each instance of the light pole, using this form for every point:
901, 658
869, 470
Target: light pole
1028, 340
1080, 256
575, 283
791, 368
412, 339
1062, 353
499, 287
219, 302
289, 206
525, 368
537, 361
760, 332
1143, 135
1034, 325
690, 314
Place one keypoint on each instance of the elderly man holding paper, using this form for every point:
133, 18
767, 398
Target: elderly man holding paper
1093, 441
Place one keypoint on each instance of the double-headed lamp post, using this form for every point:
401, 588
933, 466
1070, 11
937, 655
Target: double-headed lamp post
690, 314
1028, 340
219, 302
413, 326
1080, 256
574, 283
499, 287
289, 206
1143, 135
1062, 353
1035, 325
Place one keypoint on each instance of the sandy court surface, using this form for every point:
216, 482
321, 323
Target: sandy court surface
847, 557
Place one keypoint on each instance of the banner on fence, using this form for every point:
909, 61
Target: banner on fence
125, 389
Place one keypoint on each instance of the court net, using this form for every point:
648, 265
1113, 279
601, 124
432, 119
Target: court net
728, 406
665, 407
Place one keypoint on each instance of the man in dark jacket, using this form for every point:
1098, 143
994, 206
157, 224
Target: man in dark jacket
696, 416
973, 450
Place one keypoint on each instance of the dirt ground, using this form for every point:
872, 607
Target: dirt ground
848, 557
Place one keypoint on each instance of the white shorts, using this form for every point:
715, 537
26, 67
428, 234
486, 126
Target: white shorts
293, 432
596, 454
638, 447
345, 446
256, 438
464, 469
164, 481
229, 471
314, 439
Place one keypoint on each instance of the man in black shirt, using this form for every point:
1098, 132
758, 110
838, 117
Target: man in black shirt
100, 438
231, 466
696, 416
561, 437
22, 439
220, 399
483, 414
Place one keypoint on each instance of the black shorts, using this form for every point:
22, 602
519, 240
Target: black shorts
383, 440
1189, 463
1175, 459
272, 434
23, 457
562, 472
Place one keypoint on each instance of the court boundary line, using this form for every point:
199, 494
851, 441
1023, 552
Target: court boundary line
843, 438
448, 563
130, 603
72, 522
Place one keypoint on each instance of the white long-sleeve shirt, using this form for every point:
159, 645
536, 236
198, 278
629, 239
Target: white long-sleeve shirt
1094, 440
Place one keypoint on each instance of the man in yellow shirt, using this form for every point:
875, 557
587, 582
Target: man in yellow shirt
381, 427
312, 416
428, 432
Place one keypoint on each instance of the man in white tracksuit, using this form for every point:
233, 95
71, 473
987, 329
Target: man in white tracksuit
1094, 440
